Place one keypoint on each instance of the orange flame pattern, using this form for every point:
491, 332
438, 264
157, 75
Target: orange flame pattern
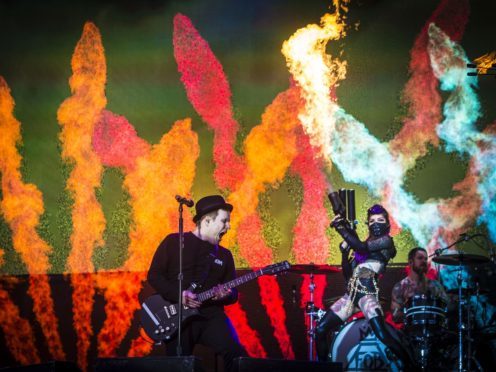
140, 346
167, 169
22, 206
269, 150
17, 331
153, 174
78, 116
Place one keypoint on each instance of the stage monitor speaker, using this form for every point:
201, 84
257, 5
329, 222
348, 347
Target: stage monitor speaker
149, 364
54, 366
281, 365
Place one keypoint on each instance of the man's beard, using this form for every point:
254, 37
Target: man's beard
420, 270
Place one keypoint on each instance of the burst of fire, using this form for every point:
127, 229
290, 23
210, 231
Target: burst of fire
78, 116
316, 73
22, 206
485, 61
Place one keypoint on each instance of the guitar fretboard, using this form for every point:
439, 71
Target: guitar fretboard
233, 283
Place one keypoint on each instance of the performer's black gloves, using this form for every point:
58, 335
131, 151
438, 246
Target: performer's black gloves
339, 223
344, 248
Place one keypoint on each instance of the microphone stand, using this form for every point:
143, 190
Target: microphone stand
180, 279
438, 252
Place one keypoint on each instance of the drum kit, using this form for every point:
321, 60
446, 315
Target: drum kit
427, 332
465, 312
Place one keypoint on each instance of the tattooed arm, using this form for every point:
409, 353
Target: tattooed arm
397, 303
438, 291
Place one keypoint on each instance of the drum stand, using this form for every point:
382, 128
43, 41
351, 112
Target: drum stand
313, 314
460, 259
460, 318
310, 310
461, 326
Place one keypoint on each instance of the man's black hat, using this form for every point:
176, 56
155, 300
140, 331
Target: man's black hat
209, 204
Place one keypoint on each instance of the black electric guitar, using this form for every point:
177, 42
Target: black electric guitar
159, 317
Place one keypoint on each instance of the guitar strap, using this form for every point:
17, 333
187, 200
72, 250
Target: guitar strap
211, 258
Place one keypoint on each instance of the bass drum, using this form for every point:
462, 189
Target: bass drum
356, 346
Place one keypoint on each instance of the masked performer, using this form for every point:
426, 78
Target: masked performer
370, 259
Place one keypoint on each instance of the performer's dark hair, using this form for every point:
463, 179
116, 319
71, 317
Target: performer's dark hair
414, 251
378, 209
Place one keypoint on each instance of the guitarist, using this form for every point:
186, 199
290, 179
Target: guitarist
208, 264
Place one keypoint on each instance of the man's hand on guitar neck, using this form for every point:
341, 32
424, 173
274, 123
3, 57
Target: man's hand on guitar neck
220, 292
189, 300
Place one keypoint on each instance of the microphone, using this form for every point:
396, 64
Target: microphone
185, 201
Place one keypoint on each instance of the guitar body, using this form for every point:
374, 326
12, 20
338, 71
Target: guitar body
160, 318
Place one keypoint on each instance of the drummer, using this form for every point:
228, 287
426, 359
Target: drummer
416, 283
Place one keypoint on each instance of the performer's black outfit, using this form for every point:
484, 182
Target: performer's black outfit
370, 259
207, 265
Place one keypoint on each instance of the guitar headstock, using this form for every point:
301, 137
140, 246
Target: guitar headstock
276, 268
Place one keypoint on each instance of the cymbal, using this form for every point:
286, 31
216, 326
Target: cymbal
460, 258
315, 269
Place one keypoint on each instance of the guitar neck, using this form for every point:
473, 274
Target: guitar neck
206, 295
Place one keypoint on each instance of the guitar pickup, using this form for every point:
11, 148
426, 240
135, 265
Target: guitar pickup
173, 310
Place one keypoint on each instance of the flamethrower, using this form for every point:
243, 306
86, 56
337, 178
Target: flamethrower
343, 204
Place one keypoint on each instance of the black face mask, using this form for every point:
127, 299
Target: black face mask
378, 229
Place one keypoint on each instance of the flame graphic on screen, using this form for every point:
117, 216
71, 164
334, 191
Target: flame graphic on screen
22, 206
270, 145
157, 173
78, 116
301, 132
358, 154
17, 330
